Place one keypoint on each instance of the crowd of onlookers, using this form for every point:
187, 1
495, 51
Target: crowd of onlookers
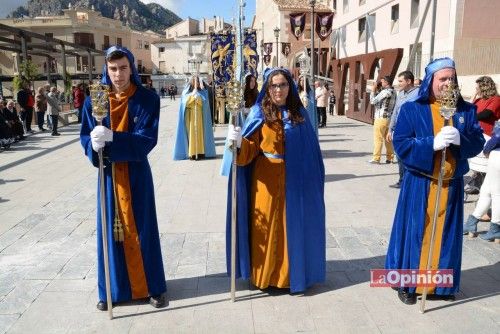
170, 90
41, 107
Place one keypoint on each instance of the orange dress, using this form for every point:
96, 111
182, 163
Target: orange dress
268, 240
449, 170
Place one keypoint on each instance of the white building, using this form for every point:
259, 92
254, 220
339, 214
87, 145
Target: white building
465, 30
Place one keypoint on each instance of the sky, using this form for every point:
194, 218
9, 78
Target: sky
193, 8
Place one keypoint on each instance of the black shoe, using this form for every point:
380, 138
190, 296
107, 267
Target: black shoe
407, 297
43, 130
157, 301
56, 134
102, 306
448, 298
395, 185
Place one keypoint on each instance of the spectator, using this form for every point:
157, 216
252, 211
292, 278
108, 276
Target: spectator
41, 106
487, 102
26, 103
407, 92
331, 102
321, 94
78, 100
10, 114
383, 97
53, 109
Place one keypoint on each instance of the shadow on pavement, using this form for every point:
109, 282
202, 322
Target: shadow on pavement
342, 177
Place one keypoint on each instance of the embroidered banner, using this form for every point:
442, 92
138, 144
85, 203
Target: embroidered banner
297, 24
324, 25
250, 57
222, 53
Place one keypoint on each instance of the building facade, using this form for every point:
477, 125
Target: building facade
84, 27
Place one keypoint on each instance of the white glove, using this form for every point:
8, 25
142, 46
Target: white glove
451, 135
234, 133
102, 133
97, 144
440, 142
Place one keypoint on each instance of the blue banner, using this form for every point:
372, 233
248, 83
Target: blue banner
222, 54
250, 56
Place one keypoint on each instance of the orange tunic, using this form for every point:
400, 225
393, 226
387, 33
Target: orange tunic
131, 243
449, 170
268, 240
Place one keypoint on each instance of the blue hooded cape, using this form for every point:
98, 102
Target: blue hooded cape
413, 141
132, 147
181, 147
305, 207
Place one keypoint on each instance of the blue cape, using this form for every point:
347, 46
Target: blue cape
133, 147
181, 141
305, 207
413, 142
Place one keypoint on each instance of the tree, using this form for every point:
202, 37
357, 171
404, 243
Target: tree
28, 72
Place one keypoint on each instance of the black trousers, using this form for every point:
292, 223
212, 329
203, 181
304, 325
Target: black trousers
55, 120
321, 115
40, 119
27, 117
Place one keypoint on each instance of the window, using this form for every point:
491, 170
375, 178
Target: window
416, 64
84, 39
414, 13
146, 46
395, 19
118, 41
362, 29
163, 67
161, 49
362, 2
105, 46
345, 6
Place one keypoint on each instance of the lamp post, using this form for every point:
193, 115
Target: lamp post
312, 3
277, 35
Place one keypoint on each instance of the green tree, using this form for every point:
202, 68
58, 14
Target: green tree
28, 72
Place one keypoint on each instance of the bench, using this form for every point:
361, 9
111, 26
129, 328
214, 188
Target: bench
64, 117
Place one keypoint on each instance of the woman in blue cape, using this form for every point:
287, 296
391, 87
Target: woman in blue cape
419, 138
280, 181
306, 96
195, 137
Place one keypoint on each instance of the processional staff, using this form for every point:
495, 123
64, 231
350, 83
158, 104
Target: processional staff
99, 95
448, 107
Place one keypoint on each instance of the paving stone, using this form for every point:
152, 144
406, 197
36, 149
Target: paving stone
48, 250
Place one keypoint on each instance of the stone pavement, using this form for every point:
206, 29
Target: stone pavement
48, 248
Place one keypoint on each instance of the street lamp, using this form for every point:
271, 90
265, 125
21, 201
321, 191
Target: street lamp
304, 63
312, 3
277, 35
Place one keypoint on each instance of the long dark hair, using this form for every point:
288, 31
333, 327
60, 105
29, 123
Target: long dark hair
300, 85
250, 94
293, 102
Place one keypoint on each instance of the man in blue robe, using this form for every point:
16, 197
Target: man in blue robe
419, 138
129, 132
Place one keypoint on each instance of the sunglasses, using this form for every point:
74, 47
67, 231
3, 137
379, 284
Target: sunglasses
282, 85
